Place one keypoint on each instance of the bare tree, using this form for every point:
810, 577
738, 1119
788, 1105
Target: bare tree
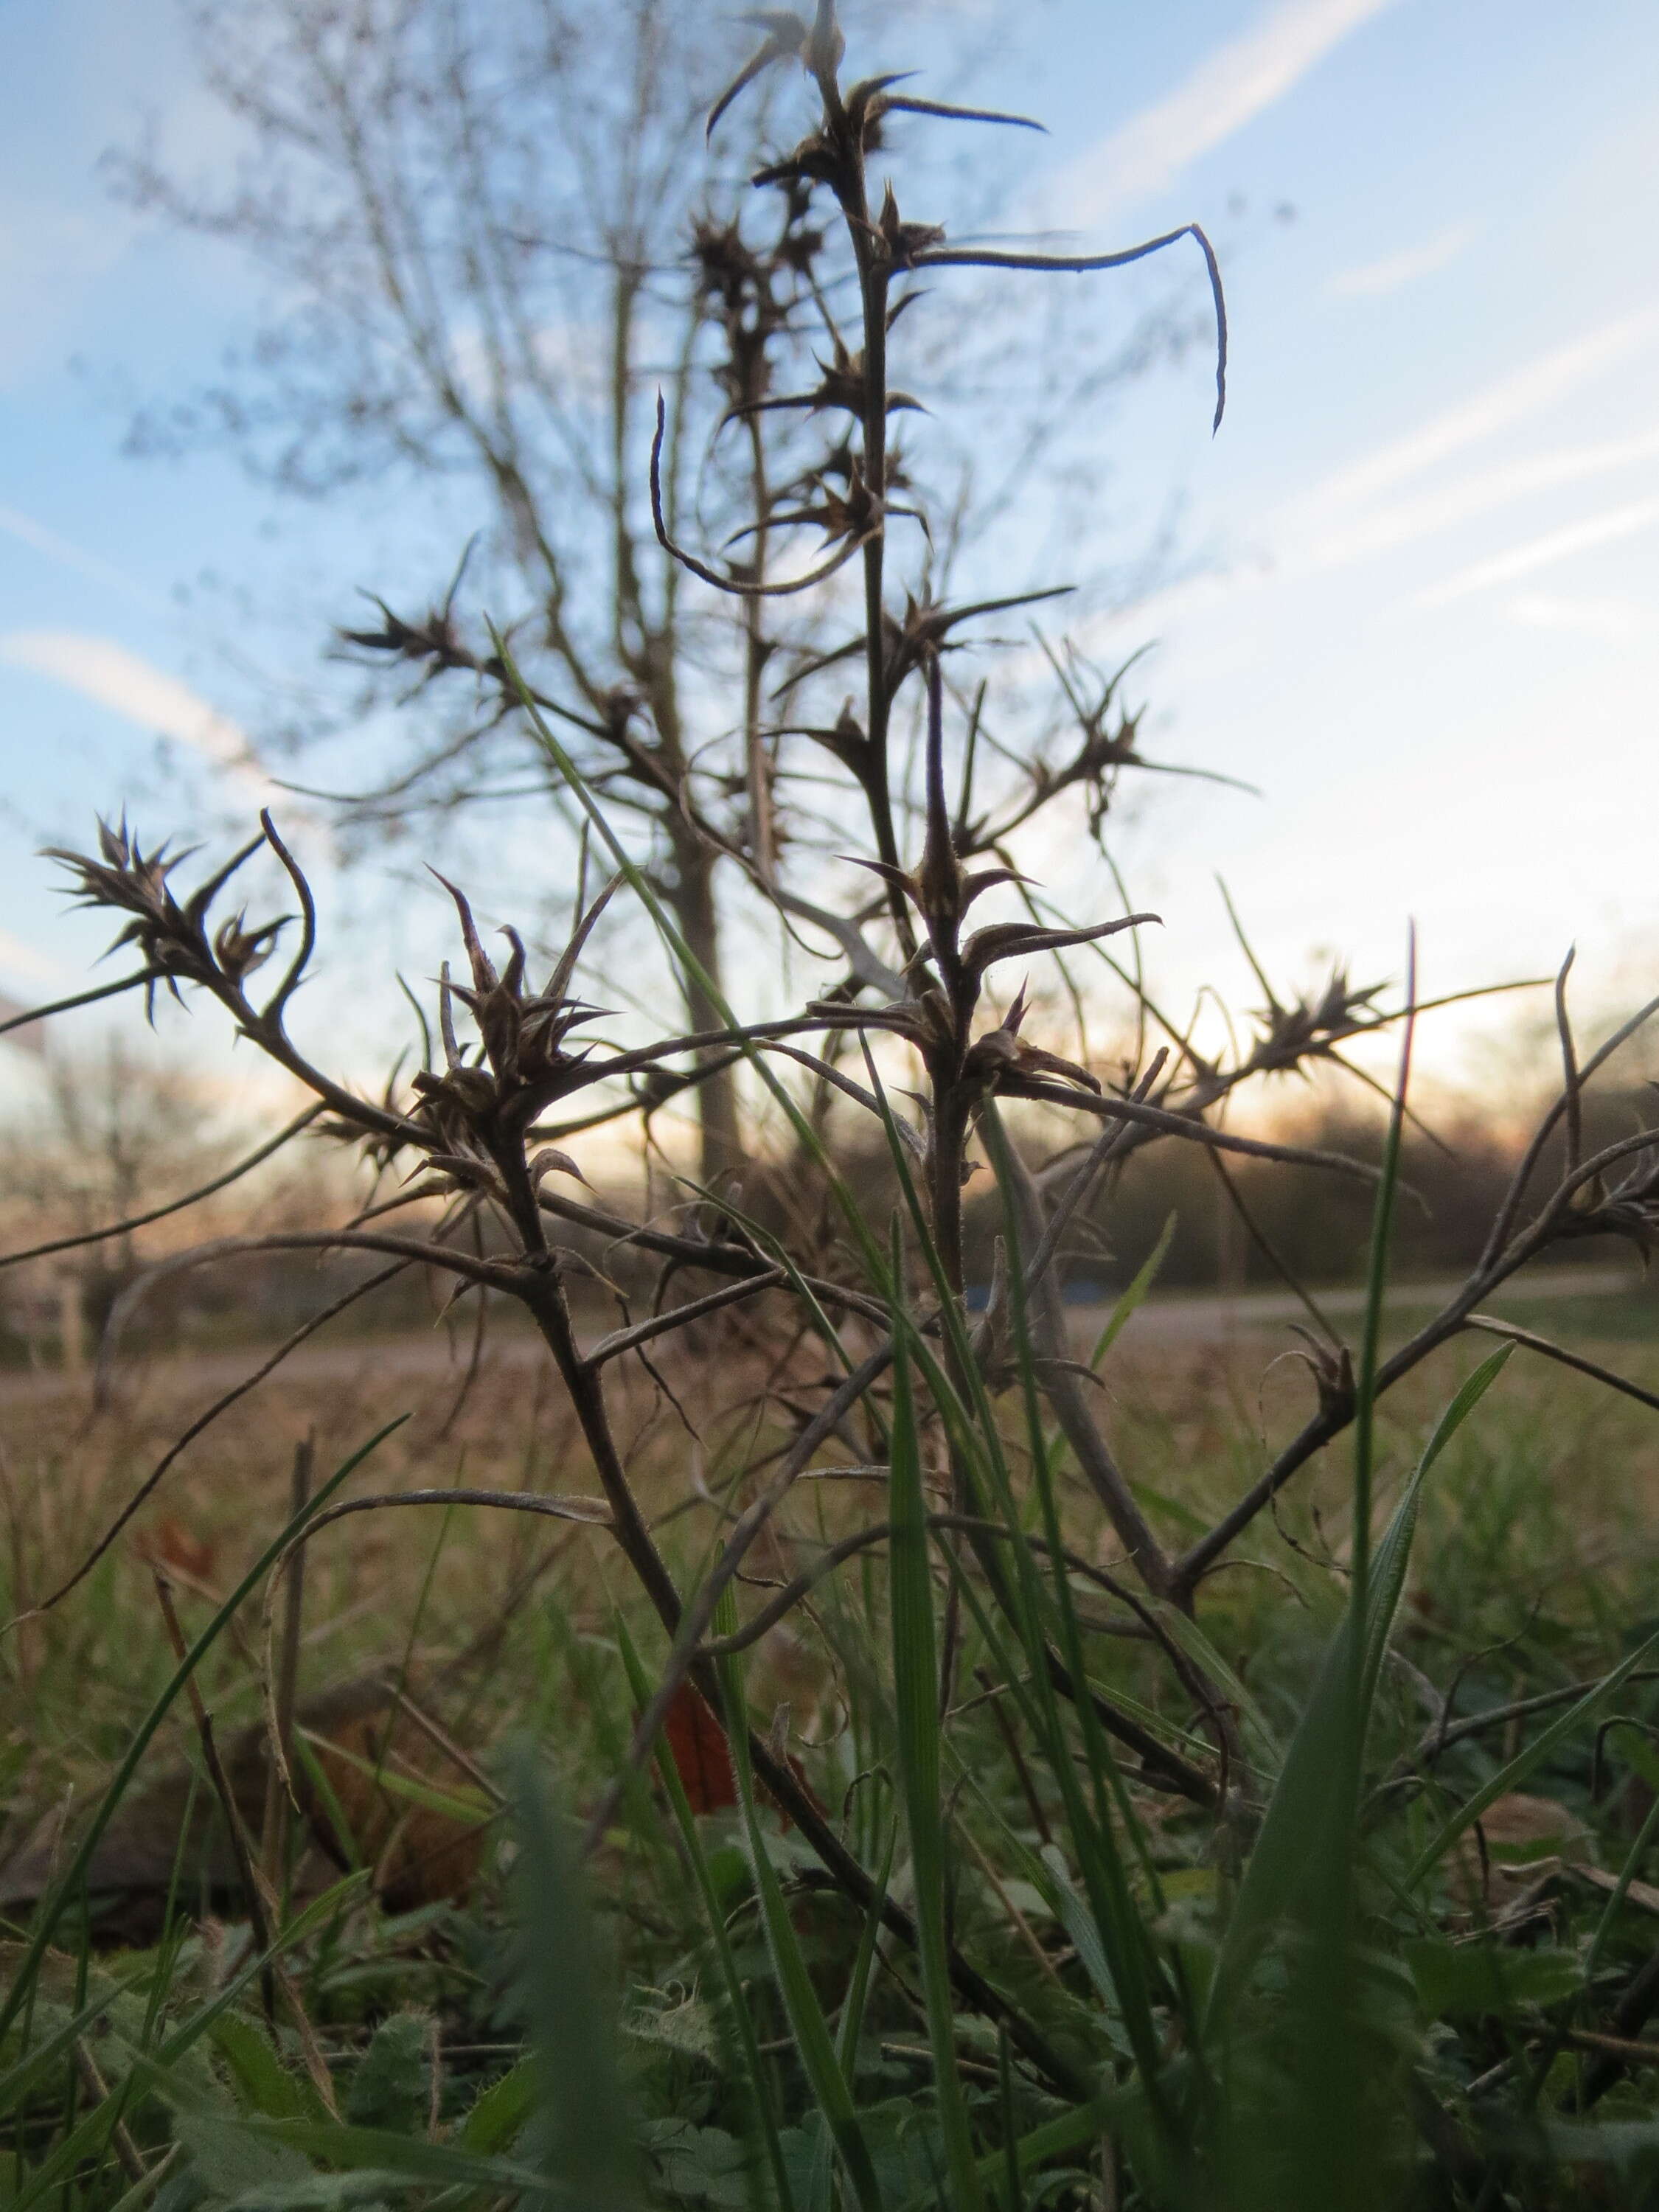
476, 217
112, 1128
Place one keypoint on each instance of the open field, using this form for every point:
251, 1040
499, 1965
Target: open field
1563, 1484
1608, 1302
1534, 1570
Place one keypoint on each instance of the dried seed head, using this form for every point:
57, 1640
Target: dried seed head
1331, 1366
899, 244
728, 270
1629, 1209
1314, 1025
171, 936
240, 949
816, 161
527, 1058
1000, 1052
434, 640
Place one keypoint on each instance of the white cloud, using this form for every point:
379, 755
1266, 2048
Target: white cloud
1463, 500
1501, 404
1229, 87
1373, 280
1543, 552
1613, 621
1313, 546
35, 535
19, 958
102, 671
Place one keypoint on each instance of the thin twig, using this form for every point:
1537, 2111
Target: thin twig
1575, 1360
253, 1890
231, 1175
980, 257
627, 1340
80, 998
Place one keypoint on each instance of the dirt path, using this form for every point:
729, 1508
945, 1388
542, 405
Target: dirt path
1204, 1317
1185, 1320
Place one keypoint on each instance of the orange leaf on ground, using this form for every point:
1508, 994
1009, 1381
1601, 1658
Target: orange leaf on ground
696, 1744
169, 1543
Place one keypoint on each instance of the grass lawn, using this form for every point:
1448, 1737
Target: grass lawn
407, 1993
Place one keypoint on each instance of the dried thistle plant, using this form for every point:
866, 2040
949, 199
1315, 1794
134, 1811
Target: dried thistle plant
910, 980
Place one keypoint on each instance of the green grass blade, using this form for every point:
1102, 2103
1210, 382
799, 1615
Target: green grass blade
1392, 1555
1029, 1601
858, 1986
20, 2078
473, 1810
1182, 1629
743, 2022
1309, 1806
52, 1907
915, 1691
581, 2139
813, 2043
1069, 2131
1620, 1889
304, 1924
1124, 1309
1129, 1947
1513, 1776
1370, 1342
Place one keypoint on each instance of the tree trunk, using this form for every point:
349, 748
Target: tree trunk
698, 914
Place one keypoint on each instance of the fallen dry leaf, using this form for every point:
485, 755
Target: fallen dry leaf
168, 1543
1523, 1836
1518, 1828
696, 1744
419, 1853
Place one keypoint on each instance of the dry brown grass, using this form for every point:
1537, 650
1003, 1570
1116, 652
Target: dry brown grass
458, 1598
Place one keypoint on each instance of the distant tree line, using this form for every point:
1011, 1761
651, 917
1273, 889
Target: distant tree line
1229, 1215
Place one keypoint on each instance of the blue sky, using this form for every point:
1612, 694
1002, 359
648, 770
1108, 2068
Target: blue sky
1427, 621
